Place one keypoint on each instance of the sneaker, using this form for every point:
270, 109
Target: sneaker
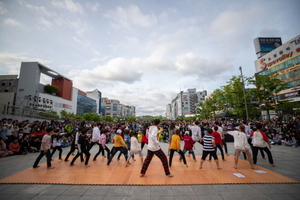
35, 166
170, 175
50, 167
87, 165
142, 175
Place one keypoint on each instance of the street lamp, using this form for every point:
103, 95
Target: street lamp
244, 93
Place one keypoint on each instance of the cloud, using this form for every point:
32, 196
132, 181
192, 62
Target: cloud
93, 6
68, 5
45, 23
11, 22
12, 61
2, 8
130, 16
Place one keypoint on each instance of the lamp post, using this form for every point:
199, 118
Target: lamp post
244, 93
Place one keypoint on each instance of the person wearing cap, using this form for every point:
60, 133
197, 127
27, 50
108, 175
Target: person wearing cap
119, 145
188, 145
45, 149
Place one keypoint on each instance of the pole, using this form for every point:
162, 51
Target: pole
244, 93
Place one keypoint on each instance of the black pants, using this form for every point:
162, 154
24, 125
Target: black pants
218, 146
171, 156
86, 153
72, 149
60, 151
115, 150
42, 153
102, 150
266, 149
225, 146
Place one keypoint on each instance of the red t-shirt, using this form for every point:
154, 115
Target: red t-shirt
188, 142
263, 134
217, 137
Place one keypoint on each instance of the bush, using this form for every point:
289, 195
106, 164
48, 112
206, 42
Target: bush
50, 89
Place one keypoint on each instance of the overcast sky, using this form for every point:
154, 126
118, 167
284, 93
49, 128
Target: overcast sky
142, 52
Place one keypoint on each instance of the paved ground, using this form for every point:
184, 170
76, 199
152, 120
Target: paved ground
287, 160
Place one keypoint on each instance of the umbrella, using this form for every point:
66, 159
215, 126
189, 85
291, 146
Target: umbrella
225, 114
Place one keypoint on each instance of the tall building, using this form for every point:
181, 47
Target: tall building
283, 63
185, 103
27, 95
113, 108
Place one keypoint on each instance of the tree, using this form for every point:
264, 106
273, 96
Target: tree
266, 90
50, 89
107, 118
91, 117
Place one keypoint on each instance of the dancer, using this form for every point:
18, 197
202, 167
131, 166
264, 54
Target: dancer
260, 141
218, 142
241, 145
95, 137
208, 148
74, 145
135, 148
119, 145
45, 149
154, 149
82, 147
175, 146
196, 131
220, 130
145, 132
102, 142
188, 145
56, 143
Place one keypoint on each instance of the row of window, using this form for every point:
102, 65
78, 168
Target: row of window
285, 65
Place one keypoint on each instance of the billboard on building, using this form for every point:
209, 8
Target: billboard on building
285, 51
264, 44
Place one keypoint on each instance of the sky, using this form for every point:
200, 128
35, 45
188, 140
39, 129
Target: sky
142, 53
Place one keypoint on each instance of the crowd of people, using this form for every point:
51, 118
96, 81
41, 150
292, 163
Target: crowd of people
129, 138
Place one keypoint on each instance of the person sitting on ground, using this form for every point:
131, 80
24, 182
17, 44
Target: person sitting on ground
276, 139
3, 151
15, 147
290, 140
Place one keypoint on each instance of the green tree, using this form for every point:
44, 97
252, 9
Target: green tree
266, 90
107, 118
50, 89
91, 117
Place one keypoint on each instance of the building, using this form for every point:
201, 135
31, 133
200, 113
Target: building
185, 103
113, 108
283, 63
26, 96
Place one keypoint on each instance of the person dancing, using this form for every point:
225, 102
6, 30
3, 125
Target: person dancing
154, 149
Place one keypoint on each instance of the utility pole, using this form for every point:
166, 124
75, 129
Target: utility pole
244, 93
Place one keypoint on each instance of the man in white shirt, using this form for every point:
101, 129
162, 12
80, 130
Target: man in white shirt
196, 131
95, 136
154, 148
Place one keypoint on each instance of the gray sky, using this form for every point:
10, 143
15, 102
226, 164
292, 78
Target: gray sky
142, 52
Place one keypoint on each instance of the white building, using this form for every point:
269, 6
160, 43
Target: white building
185, 103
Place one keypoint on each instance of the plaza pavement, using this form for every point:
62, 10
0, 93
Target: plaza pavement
286, 159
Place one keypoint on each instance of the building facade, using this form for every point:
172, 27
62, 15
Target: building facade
185, 103
283, 63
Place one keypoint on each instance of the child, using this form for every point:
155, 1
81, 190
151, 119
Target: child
102, 142
135, 148
119, 145
188, 145
209, 148
218, 141
175, 146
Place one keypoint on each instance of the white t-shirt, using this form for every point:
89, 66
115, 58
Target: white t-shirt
153, 143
